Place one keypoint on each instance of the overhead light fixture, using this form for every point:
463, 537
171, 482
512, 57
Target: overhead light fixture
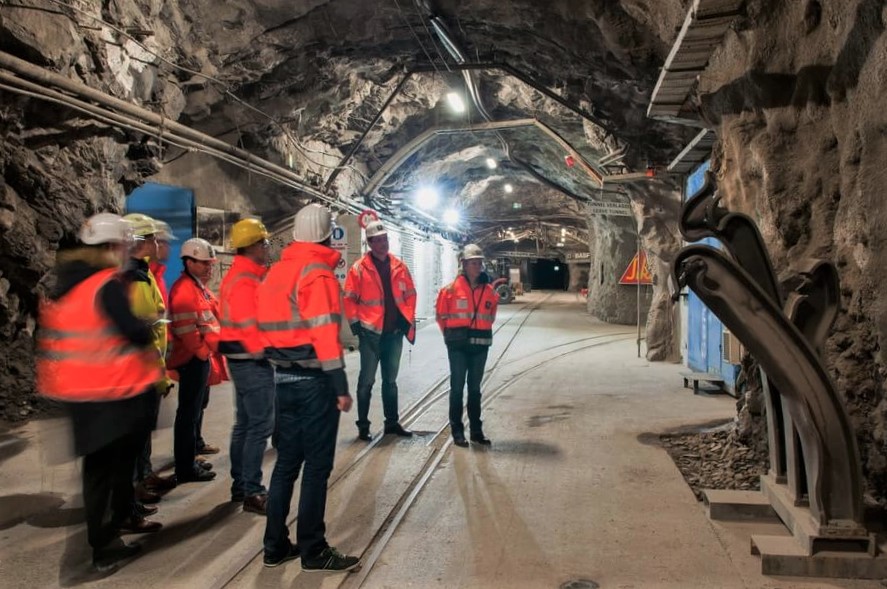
427, 197
557, 268
451, 217
563, 232
560, 244
491, 163
516, 240
509, 188
516, 205
455, 101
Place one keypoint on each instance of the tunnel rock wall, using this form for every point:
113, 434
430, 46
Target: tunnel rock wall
797, 95
615, 244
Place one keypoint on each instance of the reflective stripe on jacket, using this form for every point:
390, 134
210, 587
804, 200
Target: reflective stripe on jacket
81, 356
365, 297
458, 305
240, 337
298, 308
195, 328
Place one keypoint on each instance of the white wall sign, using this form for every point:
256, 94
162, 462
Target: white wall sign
616, 209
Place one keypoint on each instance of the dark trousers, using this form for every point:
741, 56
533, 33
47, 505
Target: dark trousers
309, 422
107, 487
375, 349
144, 468
193, 377
253, 424
466, 360
203, 405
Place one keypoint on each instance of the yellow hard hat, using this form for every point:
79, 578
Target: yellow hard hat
246, 232
142, 225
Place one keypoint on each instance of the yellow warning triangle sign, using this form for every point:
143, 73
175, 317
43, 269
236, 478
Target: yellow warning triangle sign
637, 271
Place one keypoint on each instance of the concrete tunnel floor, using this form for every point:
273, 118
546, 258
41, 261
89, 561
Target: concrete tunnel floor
571, 490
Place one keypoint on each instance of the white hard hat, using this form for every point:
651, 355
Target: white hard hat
312, 224
375, 228
164, 231
199, 249
142, 225
105, 228
472, 251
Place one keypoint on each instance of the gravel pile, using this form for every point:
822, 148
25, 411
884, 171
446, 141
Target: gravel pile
716, 460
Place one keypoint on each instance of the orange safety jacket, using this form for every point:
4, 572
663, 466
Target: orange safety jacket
82, 356
158, 269
240, 338
299, 311
365, 297
474, 310
195, 329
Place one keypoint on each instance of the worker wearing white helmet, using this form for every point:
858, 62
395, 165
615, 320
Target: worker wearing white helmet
465, 312
194, 311
304, 345
380, 306
98, 358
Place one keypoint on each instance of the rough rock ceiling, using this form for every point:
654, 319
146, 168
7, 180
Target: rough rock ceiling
323, 71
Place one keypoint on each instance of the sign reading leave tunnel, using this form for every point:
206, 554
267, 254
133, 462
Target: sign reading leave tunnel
637, 271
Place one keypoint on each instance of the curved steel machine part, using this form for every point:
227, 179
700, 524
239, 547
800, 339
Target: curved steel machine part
813, 305
832, 458
703, 217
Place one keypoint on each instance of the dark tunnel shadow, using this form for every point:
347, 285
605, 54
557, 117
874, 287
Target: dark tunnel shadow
819, 85
76, 563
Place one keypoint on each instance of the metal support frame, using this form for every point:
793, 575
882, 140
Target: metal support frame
816, 474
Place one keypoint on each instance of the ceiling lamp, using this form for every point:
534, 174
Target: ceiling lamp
451, 217
491, 163
560, 244
427, 197
509, 188
455, 101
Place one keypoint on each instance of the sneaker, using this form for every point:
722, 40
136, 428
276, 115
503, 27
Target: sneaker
271, 562
208, 449
255, 503
398, 430
330, 560
459, 440
363, 433
108, 558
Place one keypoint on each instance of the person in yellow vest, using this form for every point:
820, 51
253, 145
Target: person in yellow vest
465, 312
100, 360
243, 345
147, 303
380, 306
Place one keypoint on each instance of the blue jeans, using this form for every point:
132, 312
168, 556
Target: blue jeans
309, 421
253, 424
466, 361
193, 376
375, 349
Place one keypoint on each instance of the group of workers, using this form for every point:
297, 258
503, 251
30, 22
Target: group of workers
104, 350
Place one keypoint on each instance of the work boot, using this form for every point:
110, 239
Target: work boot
143, 495
203, 463
155, 482
256, 503
144, 510
137, 524
481, 439
398, 430
459, 440
208, 449
363, 433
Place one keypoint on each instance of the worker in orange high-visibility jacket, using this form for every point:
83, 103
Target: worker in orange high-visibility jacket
380, 305
465, 312
195, 339
244, 348
299, 313
98, 358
